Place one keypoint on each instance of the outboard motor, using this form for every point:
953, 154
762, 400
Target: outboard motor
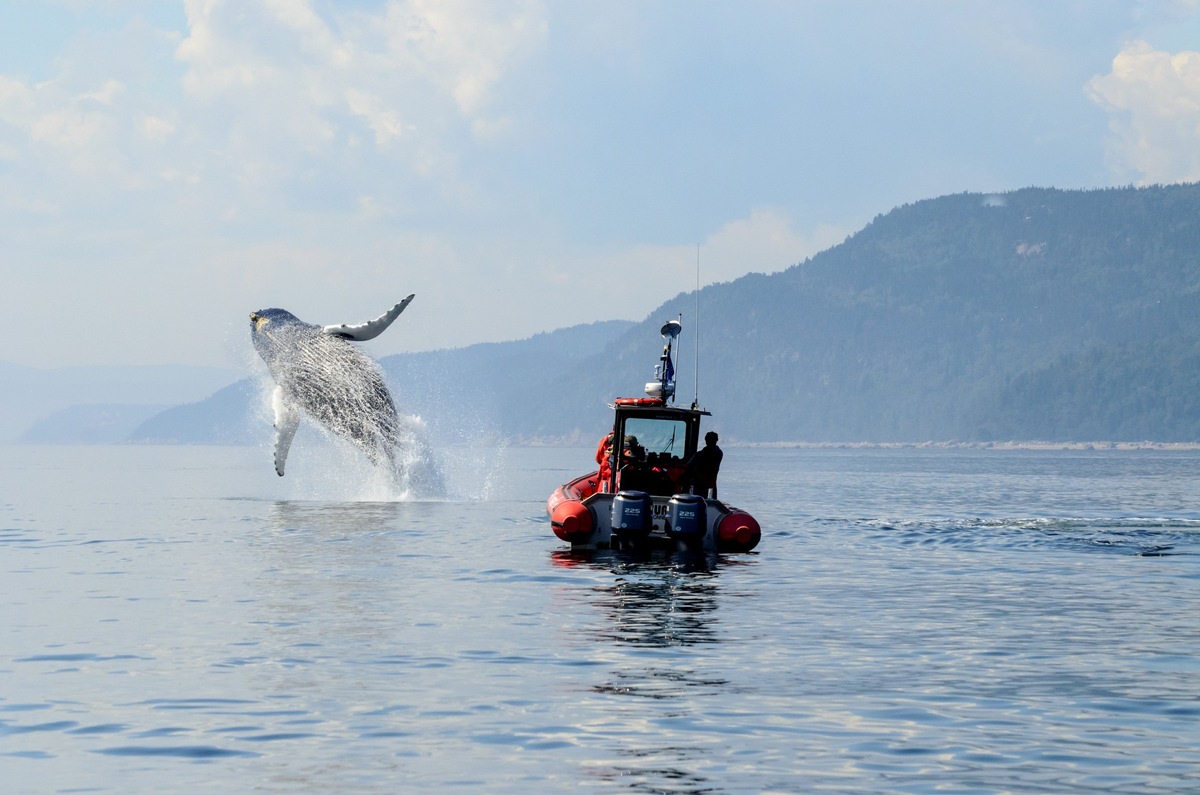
631, 516
686, 517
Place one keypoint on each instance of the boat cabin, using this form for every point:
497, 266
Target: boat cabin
652, 444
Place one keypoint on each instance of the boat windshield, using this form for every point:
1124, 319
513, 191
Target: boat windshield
661, 436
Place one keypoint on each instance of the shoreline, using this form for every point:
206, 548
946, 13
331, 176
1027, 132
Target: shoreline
1029, 444
952, 445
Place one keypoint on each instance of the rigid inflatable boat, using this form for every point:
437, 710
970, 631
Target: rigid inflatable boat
644, 493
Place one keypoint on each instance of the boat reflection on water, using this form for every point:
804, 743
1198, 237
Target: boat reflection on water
658, 600
659, 640
639, 559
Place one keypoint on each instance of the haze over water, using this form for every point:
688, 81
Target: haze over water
180, 620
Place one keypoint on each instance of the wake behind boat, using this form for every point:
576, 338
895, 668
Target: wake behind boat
652, 488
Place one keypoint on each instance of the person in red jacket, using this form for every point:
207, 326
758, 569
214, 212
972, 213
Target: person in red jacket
604, 459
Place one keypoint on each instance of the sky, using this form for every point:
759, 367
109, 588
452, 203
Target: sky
168, 167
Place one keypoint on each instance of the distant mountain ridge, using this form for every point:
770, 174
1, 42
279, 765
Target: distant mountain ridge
1037, 314
90, 424
31, 398
228, 416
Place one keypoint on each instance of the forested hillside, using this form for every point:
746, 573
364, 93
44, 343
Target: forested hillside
1037, 314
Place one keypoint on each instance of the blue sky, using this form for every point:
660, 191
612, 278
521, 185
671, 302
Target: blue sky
165, 168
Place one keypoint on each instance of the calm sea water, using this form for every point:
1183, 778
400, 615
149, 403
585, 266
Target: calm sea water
914, 621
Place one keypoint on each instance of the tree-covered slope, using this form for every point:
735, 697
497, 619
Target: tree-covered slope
965, 317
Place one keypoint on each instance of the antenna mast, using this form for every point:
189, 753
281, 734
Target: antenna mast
696, 366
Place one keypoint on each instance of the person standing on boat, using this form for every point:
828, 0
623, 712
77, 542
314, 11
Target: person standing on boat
604, 458
703, 468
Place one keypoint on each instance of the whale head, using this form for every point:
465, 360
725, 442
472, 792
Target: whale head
274, 330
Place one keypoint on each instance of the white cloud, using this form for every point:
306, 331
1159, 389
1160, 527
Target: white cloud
157, 129
107, 94
468, 43
259, 108
16, 101
385, 123
1154, 99
67, 128
74, 133
413, 59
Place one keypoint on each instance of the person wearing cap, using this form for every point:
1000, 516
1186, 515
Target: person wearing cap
632, 474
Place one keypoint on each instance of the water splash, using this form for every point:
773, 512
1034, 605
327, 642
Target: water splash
325, 465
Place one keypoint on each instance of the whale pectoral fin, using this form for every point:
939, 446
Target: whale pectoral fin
283, 442
372, 328
287, 419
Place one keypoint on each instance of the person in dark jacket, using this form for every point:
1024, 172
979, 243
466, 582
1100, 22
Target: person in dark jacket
703, 468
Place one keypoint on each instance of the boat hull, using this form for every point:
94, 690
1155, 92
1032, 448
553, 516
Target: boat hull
591, 519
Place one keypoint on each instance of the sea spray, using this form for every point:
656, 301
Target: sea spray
325, 466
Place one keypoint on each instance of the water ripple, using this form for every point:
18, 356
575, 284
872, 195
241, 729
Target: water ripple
194, 752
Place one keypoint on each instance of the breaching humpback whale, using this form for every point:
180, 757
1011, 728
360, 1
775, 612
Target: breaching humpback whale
318, 372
